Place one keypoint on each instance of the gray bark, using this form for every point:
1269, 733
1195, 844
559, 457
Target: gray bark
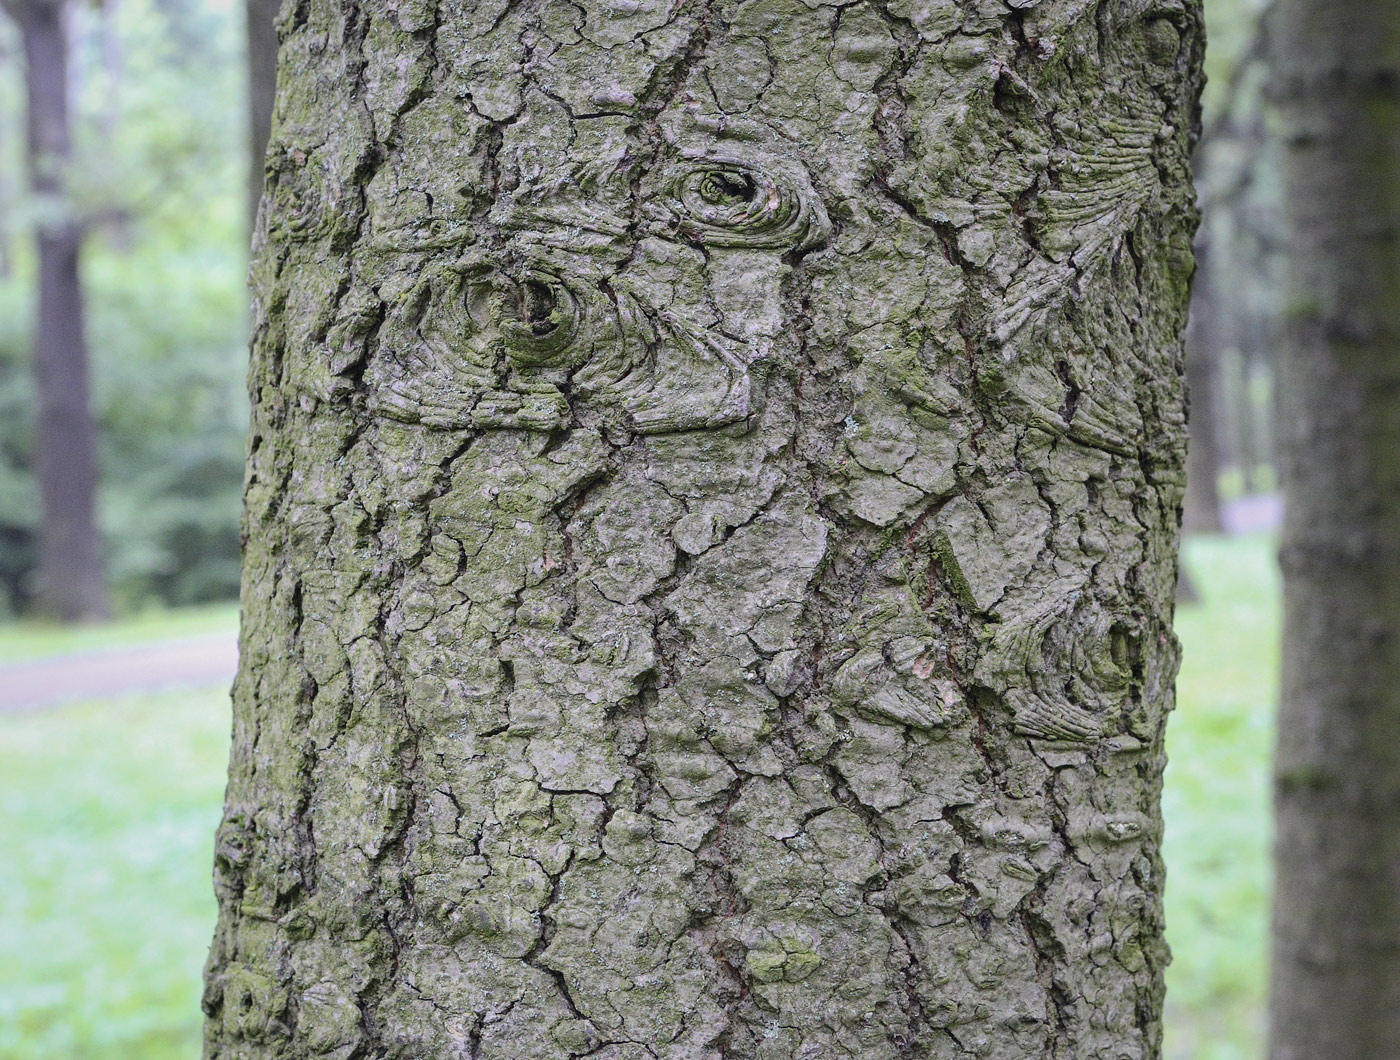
1336, 933
711, 527
70, 576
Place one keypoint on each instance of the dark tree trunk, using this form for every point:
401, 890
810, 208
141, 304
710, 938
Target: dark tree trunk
9, 192
70, 567
711, 527
1258, 446
1336, 929
1207, 337
262, 90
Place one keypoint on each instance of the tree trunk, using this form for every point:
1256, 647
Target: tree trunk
711, 528
262, 90
1207, 338
1336, 973
65, 459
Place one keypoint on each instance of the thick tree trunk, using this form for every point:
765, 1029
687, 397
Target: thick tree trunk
1336, 976
1206, 341
262, 90
711, 526
65, 459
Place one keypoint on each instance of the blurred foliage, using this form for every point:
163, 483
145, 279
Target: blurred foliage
1231, 28
159, 100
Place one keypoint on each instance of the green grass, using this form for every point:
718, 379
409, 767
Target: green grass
34, 639
107, 812
1216, 803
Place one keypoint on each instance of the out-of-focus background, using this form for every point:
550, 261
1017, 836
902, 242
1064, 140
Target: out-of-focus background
113, 734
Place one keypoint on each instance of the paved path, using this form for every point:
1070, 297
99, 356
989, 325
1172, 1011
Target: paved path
154, 667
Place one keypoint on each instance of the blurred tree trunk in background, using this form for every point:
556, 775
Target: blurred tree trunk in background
262, 90
65, 458
711, 528
1207, 338
1336, 975
11, 131
1237, 298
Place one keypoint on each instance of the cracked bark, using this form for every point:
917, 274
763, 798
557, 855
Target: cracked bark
711, 521
1336, 927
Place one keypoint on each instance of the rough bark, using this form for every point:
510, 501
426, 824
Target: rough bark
262, 90
1336, 971
70, 575
711, 529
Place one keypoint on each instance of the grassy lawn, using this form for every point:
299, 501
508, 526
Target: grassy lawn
32, 639
1217, 803
107, 812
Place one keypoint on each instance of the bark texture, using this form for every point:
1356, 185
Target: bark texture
711, 520
1336, 976
71, 585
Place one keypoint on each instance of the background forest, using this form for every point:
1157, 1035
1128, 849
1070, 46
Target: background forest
161, 144
105, 908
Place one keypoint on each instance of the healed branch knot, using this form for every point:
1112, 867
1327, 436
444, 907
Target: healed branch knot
549, 328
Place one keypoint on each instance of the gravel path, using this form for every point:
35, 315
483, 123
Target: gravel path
155, 667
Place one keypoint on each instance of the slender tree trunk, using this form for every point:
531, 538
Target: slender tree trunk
1207, 337
70, 567
1258, 368
1336, 972
262, 89
9, 190
711, 529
